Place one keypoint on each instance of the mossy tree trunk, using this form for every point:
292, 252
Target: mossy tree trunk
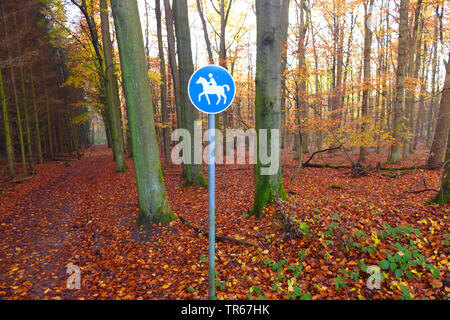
16, 101
112, 92
267, 100
8, 140
193, 173
153, 204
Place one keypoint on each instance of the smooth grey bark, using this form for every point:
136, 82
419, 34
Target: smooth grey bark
443, 195
368, 33
153, 204
267, 99
163, 85
439, 144
112, 92
412, 71
193, 173
395, 154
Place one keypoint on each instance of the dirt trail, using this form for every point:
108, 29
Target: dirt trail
37, 228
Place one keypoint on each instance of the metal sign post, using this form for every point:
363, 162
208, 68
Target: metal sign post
211, 206
211, 90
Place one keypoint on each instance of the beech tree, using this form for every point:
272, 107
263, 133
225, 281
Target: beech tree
153, 204
267, 99
443, 195
395, 155
193, 173
368, 8
112, 91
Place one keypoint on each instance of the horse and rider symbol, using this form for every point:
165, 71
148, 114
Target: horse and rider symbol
211, 87
211, 82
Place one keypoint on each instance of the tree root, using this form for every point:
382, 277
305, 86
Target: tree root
218, 238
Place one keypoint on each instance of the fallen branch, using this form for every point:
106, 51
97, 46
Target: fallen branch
346, 166
320, 151
218, 238
423, 190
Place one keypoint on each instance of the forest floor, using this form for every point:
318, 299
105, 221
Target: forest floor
82, 213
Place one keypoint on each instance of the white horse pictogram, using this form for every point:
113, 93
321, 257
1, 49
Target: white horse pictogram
213, 88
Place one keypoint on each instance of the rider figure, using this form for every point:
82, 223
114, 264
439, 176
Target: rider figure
212, 82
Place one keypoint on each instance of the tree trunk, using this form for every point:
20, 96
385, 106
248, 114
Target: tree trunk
36, 120
302, 108
205, 32
16, 101
8, 140
414, 51
267, 99
395, 155
153, 204
284, 48
443, 195
112, 92
173, 60
443, 119
423, 87
193, 172
24, 101
368, 7
163, 85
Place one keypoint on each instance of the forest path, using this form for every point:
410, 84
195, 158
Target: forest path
39, 225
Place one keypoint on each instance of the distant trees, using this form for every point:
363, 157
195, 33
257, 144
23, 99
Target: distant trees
37, 109
105, 71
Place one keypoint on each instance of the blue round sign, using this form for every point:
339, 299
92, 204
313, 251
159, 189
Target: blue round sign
211, 89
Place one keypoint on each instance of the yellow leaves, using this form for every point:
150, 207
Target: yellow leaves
375, 239
155, 77
418, 274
